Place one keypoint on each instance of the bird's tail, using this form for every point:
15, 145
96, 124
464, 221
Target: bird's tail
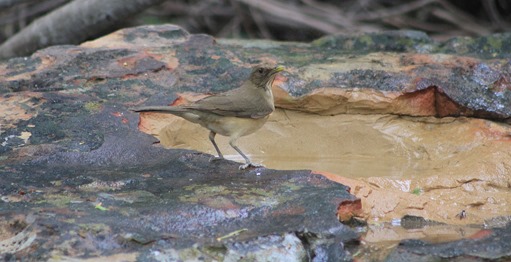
160, 109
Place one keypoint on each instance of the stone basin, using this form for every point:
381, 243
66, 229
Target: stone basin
425, 166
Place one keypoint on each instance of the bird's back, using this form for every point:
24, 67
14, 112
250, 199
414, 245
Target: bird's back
245, 102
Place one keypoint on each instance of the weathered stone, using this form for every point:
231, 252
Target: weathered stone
494, 244
79, 179
82, 209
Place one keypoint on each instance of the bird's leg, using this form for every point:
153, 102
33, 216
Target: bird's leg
212, 139
247, 160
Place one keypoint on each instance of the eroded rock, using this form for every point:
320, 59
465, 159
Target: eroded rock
182, 201
72, 155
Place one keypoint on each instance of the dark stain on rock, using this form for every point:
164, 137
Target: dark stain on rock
21, 65
374, 79
488, 47
392, 41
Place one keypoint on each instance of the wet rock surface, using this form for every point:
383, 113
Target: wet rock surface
184, 207
482, 246
78, 178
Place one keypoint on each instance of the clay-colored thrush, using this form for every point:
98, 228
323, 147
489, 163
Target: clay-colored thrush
235, 113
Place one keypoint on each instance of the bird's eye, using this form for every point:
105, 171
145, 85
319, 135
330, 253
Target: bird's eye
260, 70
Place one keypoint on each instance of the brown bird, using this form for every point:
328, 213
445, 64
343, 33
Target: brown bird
235, 113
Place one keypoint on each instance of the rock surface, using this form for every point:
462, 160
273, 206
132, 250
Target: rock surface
80, 180
181, 206
482, 246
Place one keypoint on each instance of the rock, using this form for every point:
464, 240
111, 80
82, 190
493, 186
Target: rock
485, 245
80, 180
180, 201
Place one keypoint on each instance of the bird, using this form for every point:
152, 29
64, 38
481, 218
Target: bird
234, 113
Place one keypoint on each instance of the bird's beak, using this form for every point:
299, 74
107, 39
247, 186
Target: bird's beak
278, 69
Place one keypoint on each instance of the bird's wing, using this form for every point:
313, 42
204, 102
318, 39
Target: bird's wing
246, 105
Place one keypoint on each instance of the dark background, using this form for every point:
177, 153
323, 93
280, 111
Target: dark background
289, 20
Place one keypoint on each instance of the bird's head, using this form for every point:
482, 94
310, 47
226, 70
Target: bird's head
262, 76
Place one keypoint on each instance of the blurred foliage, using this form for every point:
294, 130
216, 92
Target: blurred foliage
297, 20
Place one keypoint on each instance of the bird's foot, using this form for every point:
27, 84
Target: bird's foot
247, 165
